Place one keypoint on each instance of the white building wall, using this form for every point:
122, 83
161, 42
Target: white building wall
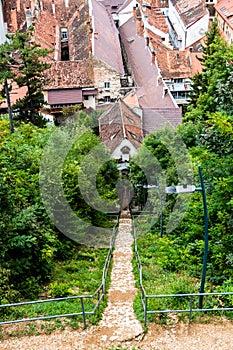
196, 31
185, 37
157, 32
117, 154
179, 37
90, 103
2, 26
126, 13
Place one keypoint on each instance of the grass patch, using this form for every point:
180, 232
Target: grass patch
79, 275
162, 277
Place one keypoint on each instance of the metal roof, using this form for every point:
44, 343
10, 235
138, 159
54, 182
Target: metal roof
64, 96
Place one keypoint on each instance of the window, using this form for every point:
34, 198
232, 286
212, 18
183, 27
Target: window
133, 135
107, 99
107, 85
64, 34
113, 135
64, 45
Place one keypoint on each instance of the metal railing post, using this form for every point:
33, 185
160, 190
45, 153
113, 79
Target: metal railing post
83, 312
204, 266
191, 308
145, 311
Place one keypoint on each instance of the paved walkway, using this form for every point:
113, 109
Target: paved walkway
119, 318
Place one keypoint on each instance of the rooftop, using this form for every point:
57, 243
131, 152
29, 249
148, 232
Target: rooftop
118, 123
174, 63
190, 11
225, 9
156, 18
68, 74
146, 74
106, 40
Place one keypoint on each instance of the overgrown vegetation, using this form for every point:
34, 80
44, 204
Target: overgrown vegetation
31, 244
173, 263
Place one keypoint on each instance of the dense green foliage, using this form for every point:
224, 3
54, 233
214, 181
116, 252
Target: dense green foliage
30, 242
207, 133
212, 88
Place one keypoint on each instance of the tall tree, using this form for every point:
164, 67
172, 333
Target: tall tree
6, 74
26, 66
209, 85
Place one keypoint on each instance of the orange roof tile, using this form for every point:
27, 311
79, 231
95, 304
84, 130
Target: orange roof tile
225, 9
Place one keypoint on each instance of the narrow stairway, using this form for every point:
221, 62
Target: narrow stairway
119, 322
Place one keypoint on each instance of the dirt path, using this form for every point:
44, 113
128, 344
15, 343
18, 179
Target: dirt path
119, 325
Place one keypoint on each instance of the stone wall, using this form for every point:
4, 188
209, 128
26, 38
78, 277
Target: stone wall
103, 73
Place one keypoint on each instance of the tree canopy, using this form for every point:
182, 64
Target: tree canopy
23, 61
212, 88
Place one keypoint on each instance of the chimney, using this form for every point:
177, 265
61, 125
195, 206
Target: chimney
140, 27
53, 7
134, 12
86, 16
90, 46
153, 57
14, 19
28, 17
147, 41
18, 5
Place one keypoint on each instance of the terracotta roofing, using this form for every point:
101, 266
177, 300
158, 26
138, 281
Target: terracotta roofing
118, 123
59, 9
48, 25
64, 74
172, 63
225, 9
196, 64
145, 73
106, 39
190, 11
157, 19
46, 38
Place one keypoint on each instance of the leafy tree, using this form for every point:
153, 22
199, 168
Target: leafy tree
27, 238
26, 67
6, 75
212, 87
30, 242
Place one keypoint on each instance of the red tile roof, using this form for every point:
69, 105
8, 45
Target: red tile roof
145, 73
65, 74
118, 123
154, 119
174, 63
15, 94
157, 19
225, 9
190, 10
